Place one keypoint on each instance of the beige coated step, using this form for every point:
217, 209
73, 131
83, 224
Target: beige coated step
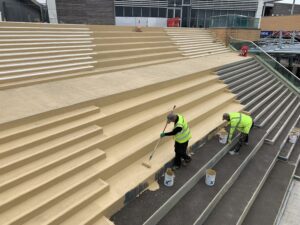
108, 203
13, 132
41, 44
200, 46
21, 49
10, 74
48, 57
37, 64
87, 71
135, 51
99, 34
21, 40
15, 32
36, 138
66, 195
47, 155
155, 95
131, 45
48, 75
209, 53
135, 59
188, 52
45, 53
130, 39
122, 128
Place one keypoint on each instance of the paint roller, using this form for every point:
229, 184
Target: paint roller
147, 164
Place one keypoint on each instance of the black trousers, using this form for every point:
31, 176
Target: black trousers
180, 153
244, 138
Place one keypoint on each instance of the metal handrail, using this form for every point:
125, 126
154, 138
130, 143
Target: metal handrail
268, 56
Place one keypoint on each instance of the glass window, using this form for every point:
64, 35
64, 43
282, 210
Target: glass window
137, 11
128, 11
162, 13
186, 2
170, 13
154, 12
145, 12
119, 11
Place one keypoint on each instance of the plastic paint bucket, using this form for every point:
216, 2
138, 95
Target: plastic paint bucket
293, 138
210, 177
223, 137
169, 178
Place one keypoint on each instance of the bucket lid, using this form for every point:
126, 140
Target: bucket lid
211, 172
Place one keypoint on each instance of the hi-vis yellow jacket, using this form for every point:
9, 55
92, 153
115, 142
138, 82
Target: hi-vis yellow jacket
185, 134
239, 121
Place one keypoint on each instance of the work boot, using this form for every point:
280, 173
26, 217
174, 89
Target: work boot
234, 152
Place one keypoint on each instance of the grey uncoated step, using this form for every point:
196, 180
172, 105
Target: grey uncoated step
270, 198
230, 67
272, 137
287, 147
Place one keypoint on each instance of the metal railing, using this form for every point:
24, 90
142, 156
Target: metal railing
234, 21
269, 61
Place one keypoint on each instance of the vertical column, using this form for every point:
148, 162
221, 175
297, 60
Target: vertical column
259, 10
52, 12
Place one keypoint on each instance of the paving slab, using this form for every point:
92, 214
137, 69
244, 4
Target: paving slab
22, 102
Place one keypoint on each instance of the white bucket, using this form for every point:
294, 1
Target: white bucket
169, 178
223, 137
293, 138
210, 177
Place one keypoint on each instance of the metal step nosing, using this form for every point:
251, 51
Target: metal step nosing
232, 78
231, 66
180, 193
257, 90
201, 219
241, 71
265, 99
284, 125
291, 150
271, 104
249, 82
255, 85
236, 65
274, 124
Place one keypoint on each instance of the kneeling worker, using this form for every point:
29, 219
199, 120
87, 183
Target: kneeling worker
241, 122
182, 135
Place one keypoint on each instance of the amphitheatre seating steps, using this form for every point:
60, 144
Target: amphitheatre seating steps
241, 178
71, 165
196, 42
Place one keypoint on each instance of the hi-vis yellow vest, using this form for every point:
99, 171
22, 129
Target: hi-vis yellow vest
240, 122
185, 134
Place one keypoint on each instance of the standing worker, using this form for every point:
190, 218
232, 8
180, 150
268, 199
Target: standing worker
241, 122
182, 135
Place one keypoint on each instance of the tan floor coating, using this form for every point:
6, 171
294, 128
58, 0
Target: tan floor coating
28, 101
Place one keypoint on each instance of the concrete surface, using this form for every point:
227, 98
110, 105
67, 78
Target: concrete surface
291, 214
32, 100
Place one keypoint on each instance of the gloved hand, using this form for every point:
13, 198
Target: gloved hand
162, 135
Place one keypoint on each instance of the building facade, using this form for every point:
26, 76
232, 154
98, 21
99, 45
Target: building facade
193, 13
85, 11
22, 11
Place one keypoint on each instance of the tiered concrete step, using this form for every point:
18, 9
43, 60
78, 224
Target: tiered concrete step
71, 166
281, 115
209, 201
196, 42
117, 47
29, 51
274, 192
